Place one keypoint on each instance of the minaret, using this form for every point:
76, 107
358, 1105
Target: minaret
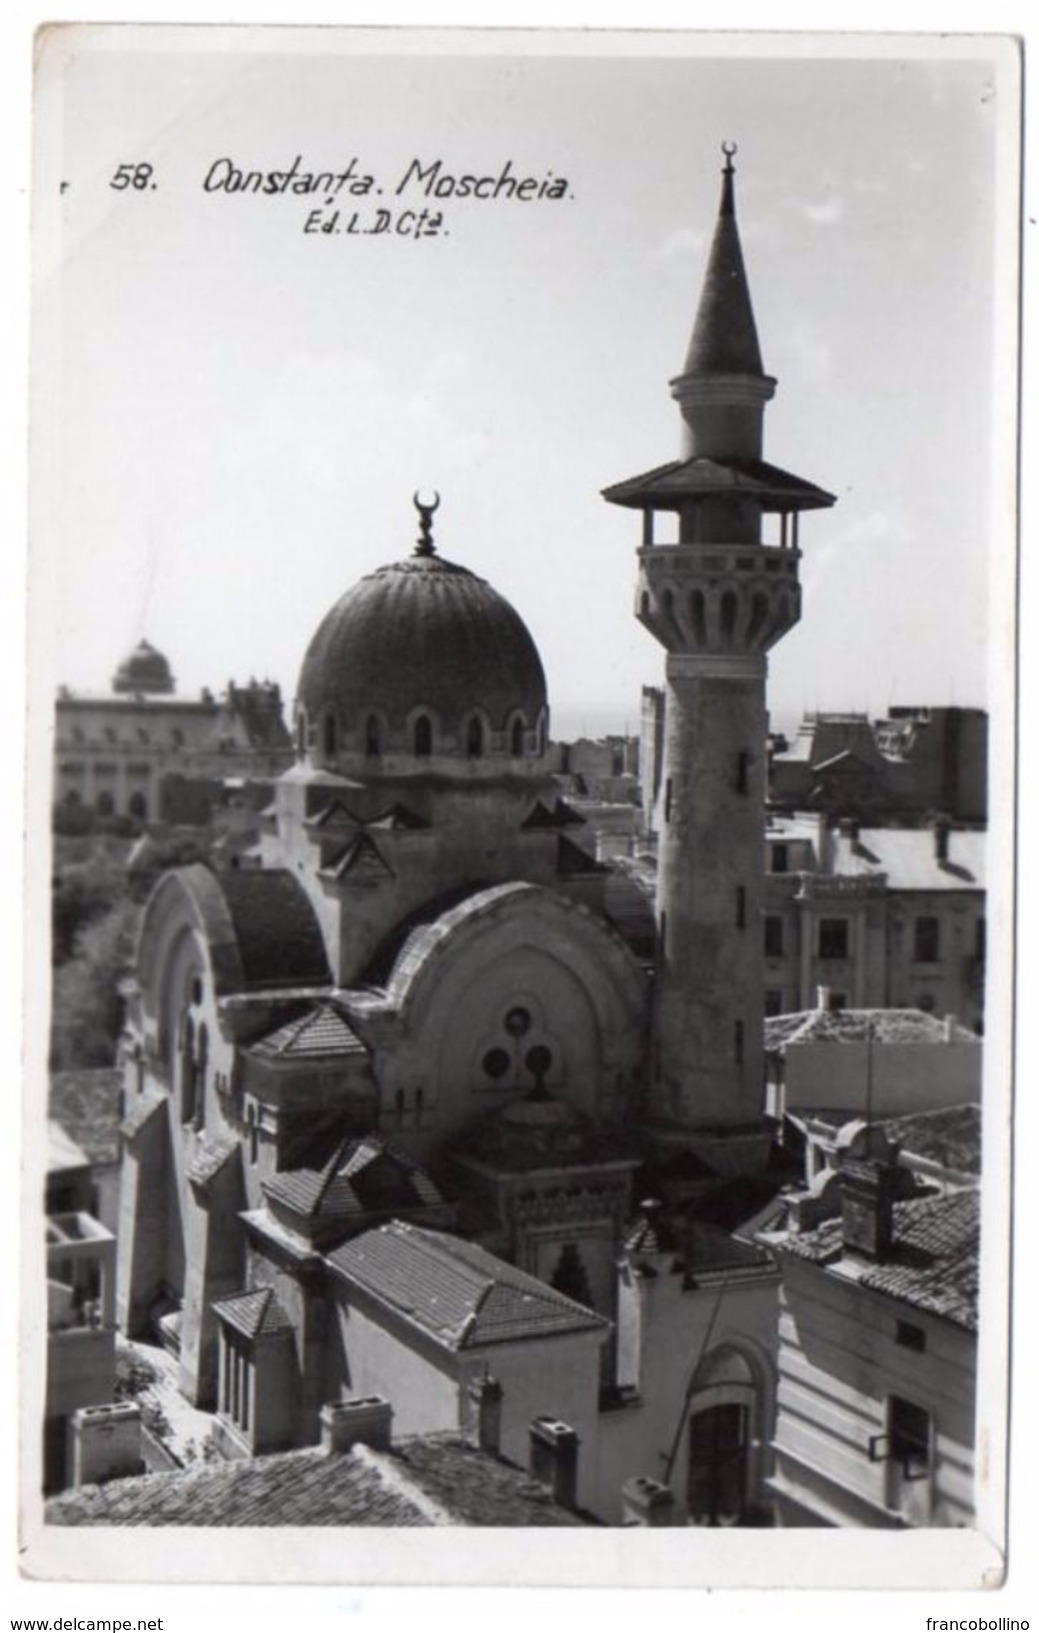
716, 600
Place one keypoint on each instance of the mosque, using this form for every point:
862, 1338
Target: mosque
395, 1095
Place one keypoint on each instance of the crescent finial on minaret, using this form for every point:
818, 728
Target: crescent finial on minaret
424, 545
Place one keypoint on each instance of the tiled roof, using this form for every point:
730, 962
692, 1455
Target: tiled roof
933, 1262
276, 929
859, 1025
208, 1160
476, 1488
951, 1136
321, 1031
363, 1176
290, 1488
86, 1104
459, 1293
425, 1480
255, 1314
141, 1112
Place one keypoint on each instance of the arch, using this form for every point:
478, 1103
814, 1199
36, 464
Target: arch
422, 737
758, 616
735, 1374
517, 733
104, 804
329, 736
137, 806
728, 610
301, 734
372, 737
542, 733
187, 1069
474, 738
698, 617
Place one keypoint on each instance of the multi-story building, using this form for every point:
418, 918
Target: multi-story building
881, 917
143, 752
877, 1344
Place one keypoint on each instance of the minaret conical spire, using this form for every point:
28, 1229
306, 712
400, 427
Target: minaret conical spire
725, 336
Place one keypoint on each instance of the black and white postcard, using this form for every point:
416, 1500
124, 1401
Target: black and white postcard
521, 701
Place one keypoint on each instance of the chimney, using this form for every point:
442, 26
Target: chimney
868, 1191
106, 1443
849, 828
485, 1406
365, 1421
950, 1029
553, 1459
822, 998
942, 826
645, 1501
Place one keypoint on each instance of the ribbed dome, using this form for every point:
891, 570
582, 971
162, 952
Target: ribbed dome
422, 634
145, 670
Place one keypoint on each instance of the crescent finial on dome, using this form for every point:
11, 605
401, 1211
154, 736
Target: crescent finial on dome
424, 545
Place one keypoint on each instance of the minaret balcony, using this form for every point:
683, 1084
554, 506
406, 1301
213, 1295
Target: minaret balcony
718, 597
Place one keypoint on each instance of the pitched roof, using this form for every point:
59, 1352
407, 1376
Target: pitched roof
424, 1480
459, 1293
322, 1031
255, 1313
362, 1177
86, 1104
669, 486
290, 1488
950, 1135
209, 1158
859, 1026
933, 1261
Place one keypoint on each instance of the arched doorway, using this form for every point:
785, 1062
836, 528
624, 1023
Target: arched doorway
719, 1443
726, 1436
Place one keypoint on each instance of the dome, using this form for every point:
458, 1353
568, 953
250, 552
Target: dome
422, 637
145, 670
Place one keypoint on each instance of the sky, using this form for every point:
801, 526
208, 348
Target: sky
231, 414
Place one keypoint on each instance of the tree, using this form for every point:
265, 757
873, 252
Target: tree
87, 1007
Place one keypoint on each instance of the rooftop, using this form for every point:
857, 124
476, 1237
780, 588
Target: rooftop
908, 857
429, 1480
933, 1261
459, 1293
860, 1026
86, 1106
322, 1031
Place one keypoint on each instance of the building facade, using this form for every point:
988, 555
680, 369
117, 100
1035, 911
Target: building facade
882, 917
142, 752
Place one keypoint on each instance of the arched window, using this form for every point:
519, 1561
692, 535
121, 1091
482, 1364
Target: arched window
542, 726
138, 806
372, 737
474, 738
105, 804
698, 617
202, 1061
516, 742
254, 1141
423, 736
728, 610
328, 736
301, 733
758, 615
187, 1071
